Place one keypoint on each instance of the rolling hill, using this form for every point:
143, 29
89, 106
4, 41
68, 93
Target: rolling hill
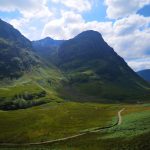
145, 74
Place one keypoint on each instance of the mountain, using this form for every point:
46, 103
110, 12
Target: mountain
47, 42
16, 54
145, 74
12, 35
47, 48
95, 71
25, 80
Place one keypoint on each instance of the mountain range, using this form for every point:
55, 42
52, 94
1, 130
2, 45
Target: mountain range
84, 68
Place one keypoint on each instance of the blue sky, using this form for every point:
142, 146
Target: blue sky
145, 11
124, 24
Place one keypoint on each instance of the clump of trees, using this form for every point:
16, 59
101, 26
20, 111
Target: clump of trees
25, 100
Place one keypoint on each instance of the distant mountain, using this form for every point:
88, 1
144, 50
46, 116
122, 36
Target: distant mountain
16, 54
145, 74
47, 48
46, 42
96, 71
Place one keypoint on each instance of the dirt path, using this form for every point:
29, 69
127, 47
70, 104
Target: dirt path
119, 116
119, 121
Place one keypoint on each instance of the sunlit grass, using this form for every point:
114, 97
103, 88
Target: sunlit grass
53, 120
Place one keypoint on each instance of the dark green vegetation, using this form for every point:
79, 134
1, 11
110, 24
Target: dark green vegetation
145, 74
33, 88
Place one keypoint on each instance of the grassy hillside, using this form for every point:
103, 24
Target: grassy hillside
53, 120
132, 134
33, 88
72, 118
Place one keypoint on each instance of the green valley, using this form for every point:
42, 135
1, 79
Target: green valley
72, 119
75, 94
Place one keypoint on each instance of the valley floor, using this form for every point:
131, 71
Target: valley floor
60, 120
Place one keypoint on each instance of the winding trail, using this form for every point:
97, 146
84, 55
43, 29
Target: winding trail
98, 129
119, 116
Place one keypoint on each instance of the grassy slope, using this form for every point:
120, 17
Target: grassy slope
88, 86
53, 120
71, 118
32, 83
132, 134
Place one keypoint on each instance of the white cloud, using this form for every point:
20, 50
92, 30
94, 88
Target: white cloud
131, 24
76, 5
63, 28
70, 24
25, 26
131, 36
28, 8
140, 64
33, 14
122, 8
